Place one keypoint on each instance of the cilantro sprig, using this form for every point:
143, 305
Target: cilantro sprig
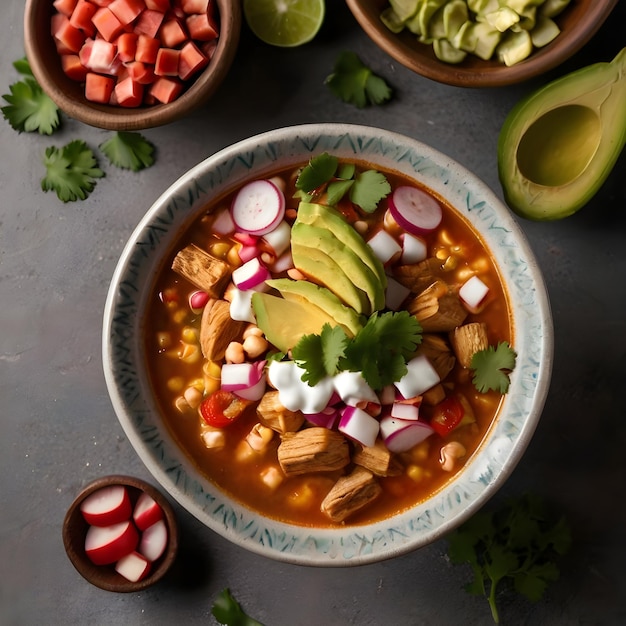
228, 611
71, 171
355, 83
128, 150
29, 109
324, 173
380, 350
517, 545
491, 368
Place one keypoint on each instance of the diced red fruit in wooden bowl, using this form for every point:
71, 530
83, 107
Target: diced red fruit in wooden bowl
153, 541
107, 506
133, 567
174, 39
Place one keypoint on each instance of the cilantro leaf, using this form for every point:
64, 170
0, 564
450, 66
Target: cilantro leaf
337, 190
319, 170
320, 354
128, 150
517, 544
355, 83
370, 187
226, 610
29, 109
23, 67
70, 171
492, 366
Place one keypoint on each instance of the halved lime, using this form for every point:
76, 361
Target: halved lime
285, 23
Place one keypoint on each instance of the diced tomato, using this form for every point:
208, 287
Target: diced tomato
98, 88
166, 89
107, 24
82, 15
158, 5
195, 6
127, 46
147, 49
222, 408
127, 10
191, 60
202, 27
141, 73
447, 415
73, 67
65, 6
208, 48
149, 22
167, 62
98, 55
72, 38
129, 93
102, 3
172, 33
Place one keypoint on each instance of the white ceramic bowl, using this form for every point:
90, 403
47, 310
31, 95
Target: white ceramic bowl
138, 412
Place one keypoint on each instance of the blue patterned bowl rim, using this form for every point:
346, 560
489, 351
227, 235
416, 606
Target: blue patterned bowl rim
137, 410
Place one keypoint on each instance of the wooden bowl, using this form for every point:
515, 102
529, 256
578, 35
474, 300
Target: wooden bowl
104, 576
578, 23
69, 94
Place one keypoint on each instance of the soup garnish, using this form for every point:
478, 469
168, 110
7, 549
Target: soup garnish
330, 344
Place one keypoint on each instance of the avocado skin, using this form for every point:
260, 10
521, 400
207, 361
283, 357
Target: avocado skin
601, 88
352, 266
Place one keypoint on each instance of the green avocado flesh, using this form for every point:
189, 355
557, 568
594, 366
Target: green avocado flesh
285, 322
558, 145
308, 293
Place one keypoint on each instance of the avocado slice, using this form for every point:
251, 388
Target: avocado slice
323, 270
285, 322
558, 145
304, 292
354, 268
331, 219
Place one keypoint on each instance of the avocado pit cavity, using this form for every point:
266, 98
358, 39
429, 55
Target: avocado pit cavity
558, 147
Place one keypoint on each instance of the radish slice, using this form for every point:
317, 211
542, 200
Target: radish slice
401, 435
414, 249
254, 392
107, 506
223, 223
420, 377
359, 426
258, 208
147, 512
250, 274
405, 411
133, 567
247, 253
395, 294
279, 239
385, 247
414, 210
236, 376
107, 544
154, 541
198, 300
326, 418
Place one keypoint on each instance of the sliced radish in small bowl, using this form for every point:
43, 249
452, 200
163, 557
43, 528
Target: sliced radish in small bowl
258, 208
107, 506
415, 210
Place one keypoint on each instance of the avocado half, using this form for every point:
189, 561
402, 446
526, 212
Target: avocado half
558, 145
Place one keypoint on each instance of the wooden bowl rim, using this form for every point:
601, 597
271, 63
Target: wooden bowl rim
104, 576
67, 93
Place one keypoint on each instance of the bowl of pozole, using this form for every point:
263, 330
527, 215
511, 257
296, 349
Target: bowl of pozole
330, 343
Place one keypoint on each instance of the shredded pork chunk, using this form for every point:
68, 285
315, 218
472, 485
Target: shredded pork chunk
204, 270
218, 329
350, 493
313, 450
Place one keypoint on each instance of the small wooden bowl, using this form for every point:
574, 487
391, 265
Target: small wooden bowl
69, 94
578, 23
104, 576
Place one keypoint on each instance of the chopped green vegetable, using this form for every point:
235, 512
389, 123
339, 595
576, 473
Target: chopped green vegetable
29, 109
355, 83
128, 150
492, 366
71, 171
370, 187
366, 190
518, 544
228, 611
380, 350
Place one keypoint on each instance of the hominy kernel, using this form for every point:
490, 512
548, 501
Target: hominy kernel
164, 340
179, 316
450, 263
181, 405
220, 249
176, 383
415, 473
189, 334
190, 353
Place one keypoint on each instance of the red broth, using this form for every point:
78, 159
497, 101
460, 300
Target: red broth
176, 366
